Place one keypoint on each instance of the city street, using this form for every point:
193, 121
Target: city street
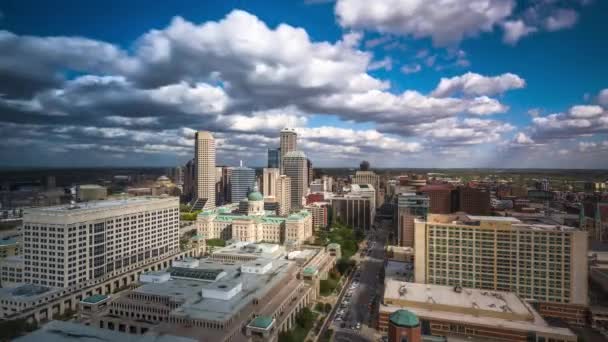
354, 313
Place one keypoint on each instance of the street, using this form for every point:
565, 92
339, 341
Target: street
355, 314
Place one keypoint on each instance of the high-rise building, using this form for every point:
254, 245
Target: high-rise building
355, 208
319, 211
440, 198
270, 176
543, 263
474, 201
295, 167
368, 177
189, 180
204, 156
274, 156
283, 195
289, 143
220, 197
68, 245
409, 206
242, 181
310, 171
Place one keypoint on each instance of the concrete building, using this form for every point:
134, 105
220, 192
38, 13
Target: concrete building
91, 192
72, 244
11, 271
270, 177
228, 299
474, 201
462, 314
546, 264
9, 246
319, 212
440, 198
255, 225
355, 208
288, 143
296, 168
283, 195
242, 181
369, 177
189, 189
274, 156
204, 158
409, 206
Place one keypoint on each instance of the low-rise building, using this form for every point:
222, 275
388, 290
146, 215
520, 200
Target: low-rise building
467, 313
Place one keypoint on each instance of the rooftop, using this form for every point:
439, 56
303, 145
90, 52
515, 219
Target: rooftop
463, 219
262, 322
95, 299
95, 206
8, 241
60, 331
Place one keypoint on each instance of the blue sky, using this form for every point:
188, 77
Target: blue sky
523, 84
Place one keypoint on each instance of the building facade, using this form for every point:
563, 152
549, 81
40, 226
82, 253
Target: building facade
288, 143
409, 207
242, 181
542, 263
368, 177
274, 156
319, 212
440, 198
474, 201
204, 157
270, 177
283, 195
296, 168
67, 245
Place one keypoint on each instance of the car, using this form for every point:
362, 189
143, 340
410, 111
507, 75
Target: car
342, 325
338, 319
358, 326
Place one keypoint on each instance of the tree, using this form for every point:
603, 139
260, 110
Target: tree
327, 307
305, 318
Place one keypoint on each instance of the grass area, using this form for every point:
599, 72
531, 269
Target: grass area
346, 237
216, 243
305, 320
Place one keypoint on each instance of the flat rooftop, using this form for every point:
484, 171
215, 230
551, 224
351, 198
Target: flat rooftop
463, 219
95, 206
437, 302
480, 301
193, 305
398, 270
60, 331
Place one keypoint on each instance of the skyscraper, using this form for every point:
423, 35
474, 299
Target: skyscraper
289, 143
274, 155
368, 177
270, 177
204, 156
242, 181
295, 166
283, 195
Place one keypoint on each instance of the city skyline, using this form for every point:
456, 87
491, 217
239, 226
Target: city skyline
490, 83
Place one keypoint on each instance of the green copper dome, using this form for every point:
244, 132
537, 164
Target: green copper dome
255, 196
404, 318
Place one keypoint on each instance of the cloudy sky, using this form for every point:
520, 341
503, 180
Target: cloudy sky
401, 83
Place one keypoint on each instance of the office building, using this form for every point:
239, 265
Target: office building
288, 143
189, 181
204, 157
310, 171
296, 168
474, 201
251, 223
440, 198
461, 314
274, 156
355, 208
319, 212
68, 245
270, 177
283, 195
242, 180
542, 263
409, 206
9, 246
368, 177
243, 292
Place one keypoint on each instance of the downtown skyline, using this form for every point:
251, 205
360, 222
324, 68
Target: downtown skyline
487, 83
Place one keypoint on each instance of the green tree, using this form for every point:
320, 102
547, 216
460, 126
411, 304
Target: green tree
327, 307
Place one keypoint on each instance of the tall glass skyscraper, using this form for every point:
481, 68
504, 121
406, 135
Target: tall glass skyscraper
274, 155
242, 180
